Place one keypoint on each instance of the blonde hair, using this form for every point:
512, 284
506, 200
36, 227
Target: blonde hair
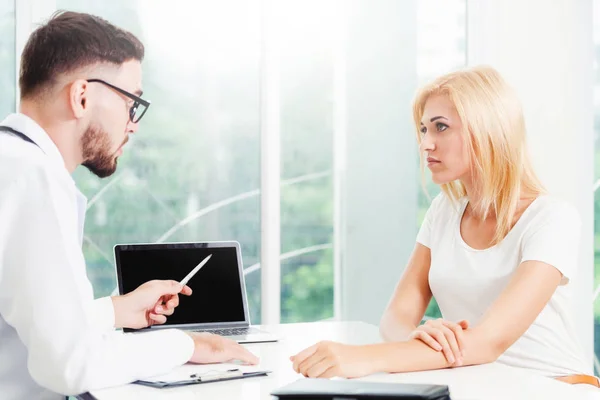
494, 133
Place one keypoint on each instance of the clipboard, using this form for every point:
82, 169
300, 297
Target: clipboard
202, 378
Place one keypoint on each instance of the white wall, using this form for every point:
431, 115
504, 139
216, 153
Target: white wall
544, 49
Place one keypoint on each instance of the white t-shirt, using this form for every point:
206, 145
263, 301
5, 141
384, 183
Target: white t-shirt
465, 281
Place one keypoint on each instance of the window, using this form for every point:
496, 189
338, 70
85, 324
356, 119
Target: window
596, 298
441, 44
7, 56
306, 65
192, 172
307, 77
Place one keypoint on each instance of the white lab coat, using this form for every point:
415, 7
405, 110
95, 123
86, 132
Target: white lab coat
54, 337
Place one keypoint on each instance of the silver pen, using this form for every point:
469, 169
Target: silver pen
189, 276
220, 376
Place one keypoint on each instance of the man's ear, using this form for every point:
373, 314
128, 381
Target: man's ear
78, 98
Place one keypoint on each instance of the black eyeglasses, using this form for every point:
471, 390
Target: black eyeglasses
139, 107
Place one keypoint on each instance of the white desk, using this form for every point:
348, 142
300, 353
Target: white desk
483, 382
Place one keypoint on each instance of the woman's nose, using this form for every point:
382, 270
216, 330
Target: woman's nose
427, 144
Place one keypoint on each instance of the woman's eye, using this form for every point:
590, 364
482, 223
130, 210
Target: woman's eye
441, 127
423, 130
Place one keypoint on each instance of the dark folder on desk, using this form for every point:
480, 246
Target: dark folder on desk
325, 389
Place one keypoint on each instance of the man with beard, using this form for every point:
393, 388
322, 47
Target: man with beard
81, 87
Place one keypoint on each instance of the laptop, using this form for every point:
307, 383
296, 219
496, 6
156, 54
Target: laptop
218, 303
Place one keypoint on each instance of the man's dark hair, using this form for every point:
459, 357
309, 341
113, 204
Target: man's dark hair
69, 41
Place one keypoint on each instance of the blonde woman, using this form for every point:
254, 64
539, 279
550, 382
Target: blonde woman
495, 250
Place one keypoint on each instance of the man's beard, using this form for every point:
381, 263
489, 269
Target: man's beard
98, 157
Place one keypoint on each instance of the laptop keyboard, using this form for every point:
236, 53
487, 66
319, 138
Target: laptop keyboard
230, 331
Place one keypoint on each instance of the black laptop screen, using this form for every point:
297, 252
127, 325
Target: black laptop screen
217, 293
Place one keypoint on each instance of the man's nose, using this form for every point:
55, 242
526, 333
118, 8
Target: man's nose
132, 127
